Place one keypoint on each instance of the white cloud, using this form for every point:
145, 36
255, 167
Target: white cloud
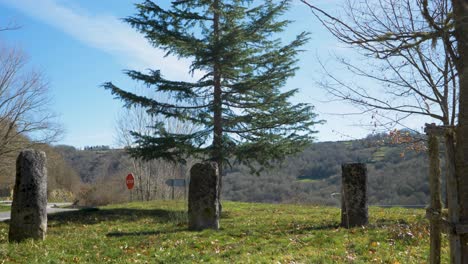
104, 32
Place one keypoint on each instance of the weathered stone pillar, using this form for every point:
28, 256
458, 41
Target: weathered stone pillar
203, 204
354, 195
29, 207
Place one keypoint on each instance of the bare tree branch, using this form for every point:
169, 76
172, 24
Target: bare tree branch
409, 51
25, 117
150, 176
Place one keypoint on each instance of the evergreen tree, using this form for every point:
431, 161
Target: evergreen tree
238, 105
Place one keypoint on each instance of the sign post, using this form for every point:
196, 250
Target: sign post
130, 181
176, 183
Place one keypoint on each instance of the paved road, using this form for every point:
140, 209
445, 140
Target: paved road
51, 208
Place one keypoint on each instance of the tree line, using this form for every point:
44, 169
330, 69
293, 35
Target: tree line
311, 176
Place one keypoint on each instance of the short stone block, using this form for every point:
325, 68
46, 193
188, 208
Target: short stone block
354, 208
203, 204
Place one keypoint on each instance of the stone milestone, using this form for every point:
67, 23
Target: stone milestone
29, 207
203, 204
354, 209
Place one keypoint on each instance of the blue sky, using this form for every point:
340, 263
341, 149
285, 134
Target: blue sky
78, 45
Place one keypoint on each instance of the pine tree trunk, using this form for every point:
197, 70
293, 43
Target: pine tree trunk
460, 8
217, 102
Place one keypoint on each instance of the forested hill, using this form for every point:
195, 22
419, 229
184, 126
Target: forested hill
396, 176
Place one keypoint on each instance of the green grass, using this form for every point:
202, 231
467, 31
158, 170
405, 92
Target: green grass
155, 232
379, 155
307, 180
4, 208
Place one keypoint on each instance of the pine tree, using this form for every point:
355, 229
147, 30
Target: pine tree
238, 105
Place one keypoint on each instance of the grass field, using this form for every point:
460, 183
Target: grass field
307, 180
155, 232
4, 208
379, 155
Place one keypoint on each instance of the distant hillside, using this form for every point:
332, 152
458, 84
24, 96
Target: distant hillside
396, 176
62, 179
93, 164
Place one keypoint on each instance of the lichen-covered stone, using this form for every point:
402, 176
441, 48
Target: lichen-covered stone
203, 205
354, 208
29, 207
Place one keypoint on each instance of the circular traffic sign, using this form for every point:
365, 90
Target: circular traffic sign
130, 181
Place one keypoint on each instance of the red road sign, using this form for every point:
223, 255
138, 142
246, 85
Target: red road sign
130, 181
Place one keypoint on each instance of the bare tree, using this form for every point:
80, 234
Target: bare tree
150, 176
410, 66
11, 25
25, 117
431, 37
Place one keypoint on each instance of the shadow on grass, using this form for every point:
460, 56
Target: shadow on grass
307, 229
322, 227
226, 215
383, 222
142, 233
91, 216
94, 216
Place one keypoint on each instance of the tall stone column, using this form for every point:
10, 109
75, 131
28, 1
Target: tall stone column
203, 204
29, 207
354, 211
